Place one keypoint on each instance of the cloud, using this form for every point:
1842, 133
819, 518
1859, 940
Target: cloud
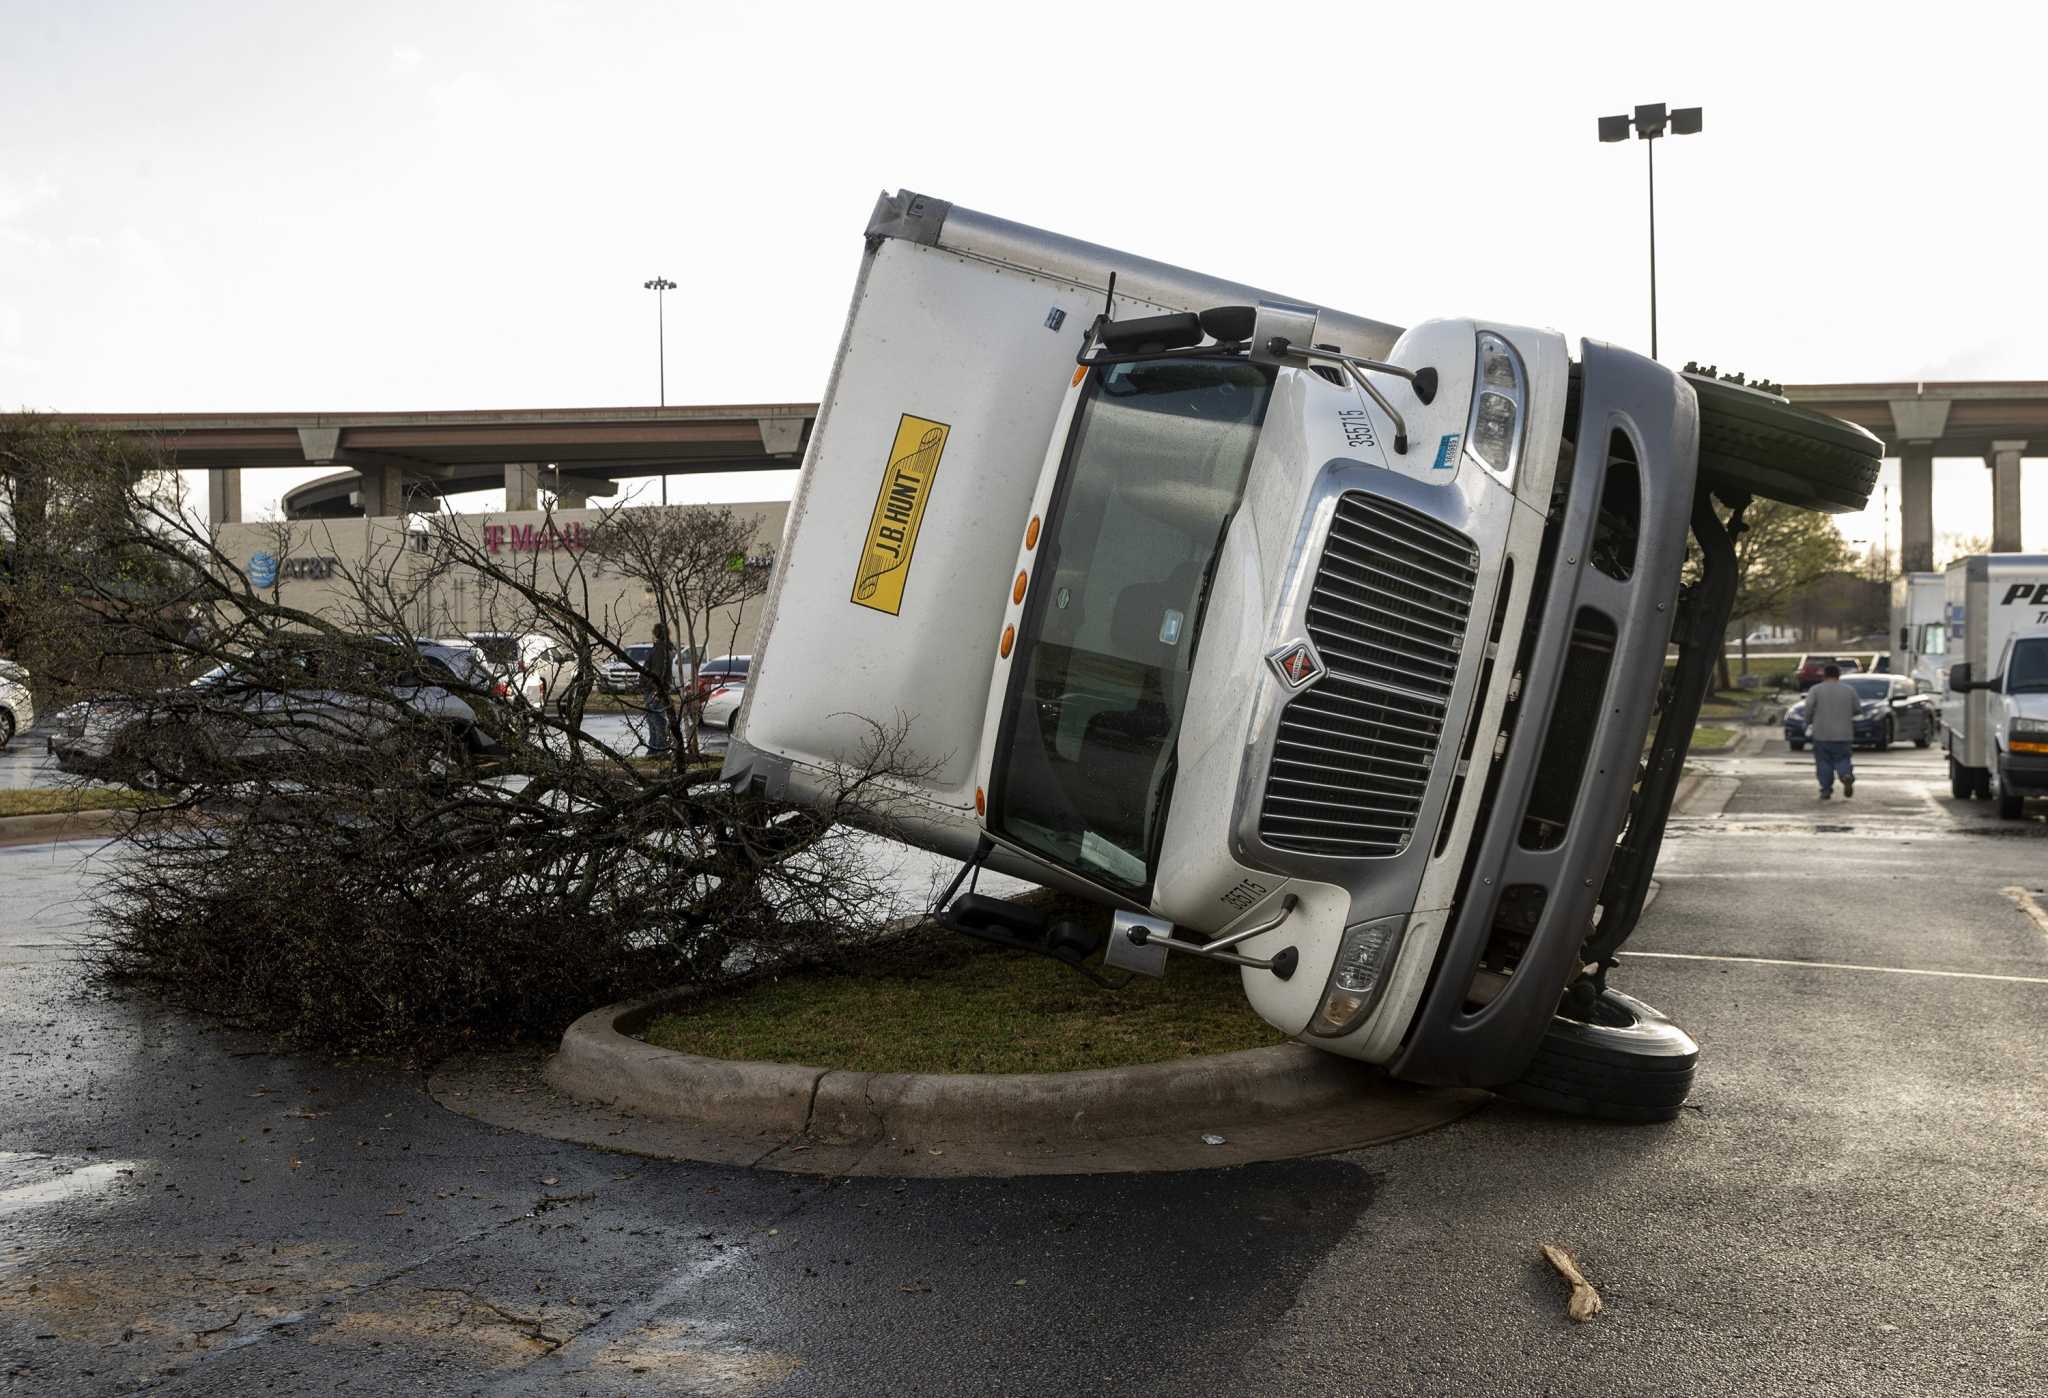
404, 59
18, 196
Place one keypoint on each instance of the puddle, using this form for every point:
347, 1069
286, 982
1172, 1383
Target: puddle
21, 1189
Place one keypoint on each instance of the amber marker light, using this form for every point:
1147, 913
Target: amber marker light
1079, 374
1009, 639
980, 802
1017, 592
1031, 533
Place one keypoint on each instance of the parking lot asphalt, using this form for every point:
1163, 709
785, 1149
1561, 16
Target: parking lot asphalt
1853, 1203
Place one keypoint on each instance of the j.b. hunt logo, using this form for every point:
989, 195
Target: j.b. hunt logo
907, 476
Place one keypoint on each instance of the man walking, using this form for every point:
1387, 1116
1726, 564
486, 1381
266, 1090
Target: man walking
661, 661
1831, 723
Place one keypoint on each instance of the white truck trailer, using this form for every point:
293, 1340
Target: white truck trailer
1994, 714
1920, 629
1307, 643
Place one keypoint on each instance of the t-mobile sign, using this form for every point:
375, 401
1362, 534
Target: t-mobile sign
536, 538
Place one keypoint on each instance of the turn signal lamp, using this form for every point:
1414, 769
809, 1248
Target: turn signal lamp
1358, 976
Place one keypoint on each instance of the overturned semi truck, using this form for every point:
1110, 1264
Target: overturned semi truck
1329, 649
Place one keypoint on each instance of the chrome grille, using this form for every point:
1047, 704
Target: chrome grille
1387, 614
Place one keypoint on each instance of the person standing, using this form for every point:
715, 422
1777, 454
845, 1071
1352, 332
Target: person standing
661, 663
1831, 723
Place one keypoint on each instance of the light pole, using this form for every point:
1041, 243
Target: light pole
659, 286
1650, 123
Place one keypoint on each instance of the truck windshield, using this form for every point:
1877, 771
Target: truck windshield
1155, 467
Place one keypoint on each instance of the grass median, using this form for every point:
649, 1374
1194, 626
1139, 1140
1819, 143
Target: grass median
938, 1003
64, 800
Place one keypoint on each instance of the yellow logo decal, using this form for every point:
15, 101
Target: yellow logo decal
899, 509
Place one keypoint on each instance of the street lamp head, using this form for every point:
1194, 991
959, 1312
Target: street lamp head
659, 284
1650, 120
1685, 121
1614, 128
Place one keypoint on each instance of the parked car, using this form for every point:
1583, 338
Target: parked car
1813, 668
17, 711
297, 698
722, 707
531, 665
1889, 709
616, 676
712, 674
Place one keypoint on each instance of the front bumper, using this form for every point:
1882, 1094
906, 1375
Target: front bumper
1541, 888
2024, 773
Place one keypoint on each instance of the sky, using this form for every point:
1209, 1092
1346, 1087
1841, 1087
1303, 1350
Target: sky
220, 206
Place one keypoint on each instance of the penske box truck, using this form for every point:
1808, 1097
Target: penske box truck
1920, 629
1994, 715
1329, 649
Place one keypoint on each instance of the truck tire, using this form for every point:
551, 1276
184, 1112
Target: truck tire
1763, 444
2011, 805
1626, 1063
1958, 780
1885, 742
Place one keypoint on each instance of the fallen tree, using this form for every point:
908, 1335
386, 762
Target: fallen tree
369, 847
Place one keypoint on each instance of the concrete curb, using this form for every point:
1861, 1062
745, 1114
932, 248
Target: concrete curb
62, 825
1269, 1103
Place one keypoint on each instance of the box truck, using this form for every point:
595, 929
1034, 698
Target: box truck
1321, 647
1920, 629
1994, 714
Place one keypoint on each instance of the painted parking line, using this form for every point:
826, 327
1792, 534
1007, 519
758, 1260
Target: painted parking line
1834, 966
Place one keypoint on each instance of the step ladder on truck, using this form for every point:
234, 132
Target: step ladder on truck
1329, 649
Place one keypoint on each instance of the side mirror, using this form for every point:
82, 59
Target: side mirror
1959, 678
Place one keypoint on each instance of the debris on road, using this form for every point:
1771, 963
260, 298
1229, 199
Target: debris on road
1585, 1302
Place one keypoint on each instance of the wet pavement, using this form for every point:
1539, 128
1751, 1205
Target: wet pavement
1855, 1201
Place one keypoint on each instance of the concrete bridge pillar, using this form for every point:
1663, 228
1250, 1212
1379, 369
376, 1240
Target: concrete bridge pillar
522, 485
1916, 509
2004, 461
223, 495
382, 493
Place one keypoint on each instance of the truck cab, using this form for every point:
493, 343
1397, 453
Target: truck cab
1306, 643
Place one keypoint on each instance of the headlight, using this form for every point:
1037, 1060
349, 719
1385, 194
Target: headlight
2029, 728
1869, 709
1493, 433
1358, 977
1797, 711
